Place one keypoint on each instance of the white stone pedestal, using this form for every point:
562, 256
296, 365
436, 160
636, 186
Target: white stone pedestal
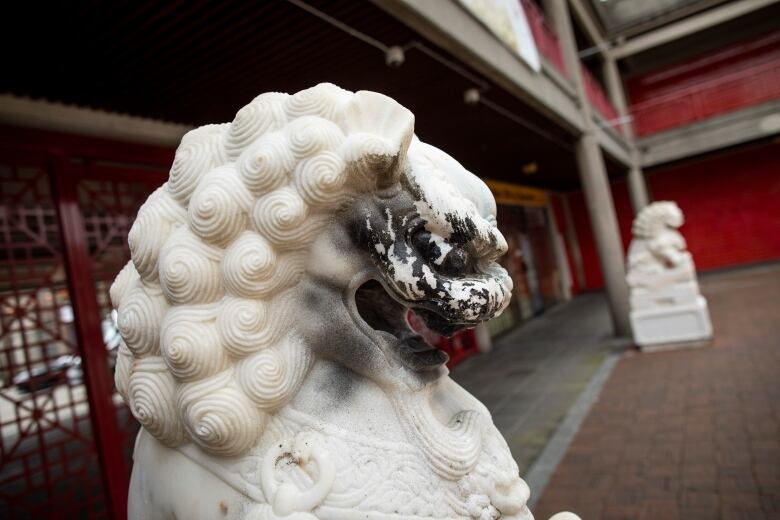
667, 310
674, 326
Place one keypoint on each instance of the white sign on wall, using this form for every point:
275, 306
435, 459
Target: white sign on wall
507, 21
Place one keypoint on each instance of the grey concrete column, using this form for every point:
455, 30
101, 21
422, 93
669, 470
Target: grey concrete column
559, 251
606, 233
637, 188
574, 242
595, 183
614, 86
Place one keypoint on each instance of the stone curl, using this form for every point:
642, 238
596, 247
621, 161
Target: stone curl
202, 309
656, 218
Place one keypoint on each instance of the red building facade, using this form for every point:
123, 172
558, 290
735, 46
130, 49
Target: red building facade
729, 196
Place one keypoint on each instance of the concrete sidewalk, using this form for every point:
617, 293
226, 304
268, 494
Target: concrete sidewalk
688, 434
535, 373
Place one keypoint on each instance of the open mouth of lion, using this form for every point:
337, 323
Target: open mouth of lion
409, 325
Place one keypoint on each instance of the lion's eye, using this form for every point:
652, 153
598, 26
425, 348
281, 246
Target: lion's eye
422, 242
455, 263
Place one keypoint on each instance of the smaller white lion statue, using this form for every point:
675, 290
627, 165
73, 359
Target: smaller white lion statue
666, 305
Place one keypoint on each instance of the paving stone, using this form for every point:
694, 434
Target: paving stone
697, 432
534, 374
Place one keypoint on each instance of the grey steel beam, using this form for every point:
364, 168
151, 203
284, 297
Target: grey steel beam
637, 187
612, 144
687, 26
742, 126
447, 25
588, 23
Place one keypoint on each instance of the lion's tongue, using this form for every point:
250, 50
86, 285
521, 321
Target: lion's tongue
417, 324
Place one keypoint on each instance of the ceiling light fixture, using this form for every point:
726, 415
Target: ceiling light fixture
530, 168
395, 56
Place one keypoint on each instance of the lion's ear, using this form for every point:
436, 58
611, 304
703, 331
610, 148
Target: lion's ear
370, 113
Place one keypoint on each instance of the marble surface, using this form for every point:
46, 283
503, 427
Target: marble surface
264, 314
666, 305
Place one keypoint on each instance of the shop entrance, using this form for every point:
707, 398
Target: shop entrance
530, 260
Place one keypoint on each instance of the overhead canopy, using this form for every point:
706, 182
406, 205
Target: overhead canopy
635, 16
199, 61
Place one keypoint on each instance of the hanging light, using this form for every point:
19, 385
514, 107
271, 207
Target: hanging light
394, 56
471, 96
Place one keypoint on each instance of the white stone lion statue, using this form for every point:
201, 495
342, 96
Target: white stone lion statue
267, 353
666, 304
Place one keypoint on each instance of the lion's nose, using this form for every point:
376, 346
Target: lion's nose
455, 263
445, 258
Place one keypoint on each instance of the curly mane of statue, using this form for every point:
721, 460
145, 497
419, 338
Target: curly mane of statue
666, 305
658, 249
266, 351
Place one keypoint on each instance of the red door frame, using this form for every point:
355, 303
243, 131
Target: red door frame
64, 175
94, 357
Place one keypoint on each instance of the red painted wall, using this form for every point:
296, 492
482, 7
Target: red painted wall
546, 40
590, 260
731, 203
734, 77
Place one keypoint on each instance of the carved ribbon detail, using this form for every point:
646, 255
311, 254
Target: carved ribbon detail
452, 449
305, 487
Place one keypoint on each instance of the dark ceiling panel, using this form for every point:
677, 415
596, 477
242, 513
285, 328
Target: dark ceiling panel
631, 17
198, 61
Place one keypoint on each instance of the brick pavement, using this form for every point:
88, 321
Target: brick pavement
688, 434
534, 374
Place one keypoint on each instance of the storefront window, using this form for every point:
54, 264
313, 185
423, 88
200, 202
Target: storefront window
530, 262
540, 242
